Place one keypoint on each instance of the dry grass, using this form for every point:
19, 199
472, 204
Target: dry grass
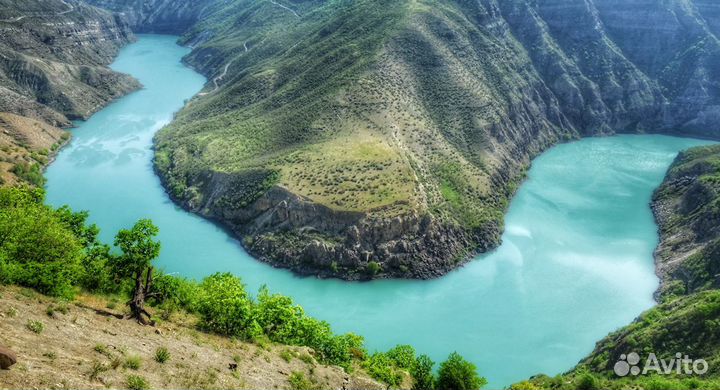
82, 349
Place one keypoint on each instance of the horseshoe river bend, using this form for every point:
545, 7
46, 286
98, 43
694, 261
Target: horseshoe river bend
576, 260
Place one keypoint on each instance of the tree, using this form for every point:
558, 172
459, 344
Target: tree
456, 373
138, 251
422, 373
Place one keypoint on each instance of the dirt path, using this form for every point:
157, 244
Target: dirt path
287, 8
217, 79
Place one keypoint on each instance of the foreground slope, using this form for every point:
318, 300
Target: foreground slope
359, 139
80, 348
53, 57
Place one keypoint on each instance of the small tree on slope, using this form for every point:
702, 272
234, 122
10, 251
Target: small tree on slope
138, 251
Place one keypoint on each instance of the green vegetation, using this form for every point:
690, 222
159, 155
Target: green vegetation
54, 251
35, 326
458, 374
136, 382
30, 172
162, 355
133, 362
299, 382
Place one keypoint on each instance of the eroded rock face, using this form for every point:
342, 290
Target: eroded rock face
686, 209
7, 358
53, 69
55, 54
157, 16
288, 231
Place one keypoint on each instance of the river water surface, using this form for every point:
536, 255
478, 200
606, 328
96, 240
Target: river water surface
575, 263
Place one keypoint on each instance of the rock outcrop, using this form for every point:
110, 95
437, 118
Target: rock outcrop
687, 210
157, 16
7, 358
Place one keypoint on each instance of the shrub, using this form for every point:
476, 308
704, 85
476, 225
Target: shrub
39, 249
587, 381
381, 367
373, 268
524, 385
403, 356
136, 382
422, 373
162, 355
102, 349
133, 362
456, 373
286, 355
299, 382
223, 305
172, 292
35, 326
96, 369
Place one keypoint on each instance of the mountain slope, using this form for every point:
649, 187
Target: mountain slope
53, 57
383, 139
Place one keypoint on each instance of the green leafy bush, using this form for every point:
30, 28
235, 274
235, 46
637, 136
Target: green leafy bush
456, 373
223, 305
38, 248
422, 373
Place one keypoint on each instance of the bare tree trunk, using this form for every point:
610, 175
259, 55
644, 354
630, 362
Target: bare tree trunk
140, 292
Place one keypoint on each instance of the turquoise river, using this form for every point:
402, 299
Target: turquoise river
576, 260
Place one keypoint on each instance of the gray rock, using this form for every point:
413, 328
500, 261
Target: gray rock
7, 358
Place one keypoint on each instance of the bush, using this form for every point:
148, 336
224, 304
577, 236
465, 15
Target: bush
133, 362
136, 382
373, 268
38, 250
172, 292
403, 356
422, 373
456, 373
35, 326
587, 381
162, 355
299, 382
381, 367
223, 305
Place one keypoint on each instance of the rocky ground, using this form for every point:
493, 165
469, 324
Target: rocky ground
70, 345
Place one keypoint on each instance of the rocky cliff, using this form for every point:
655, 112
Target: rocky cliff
375, 139
157, 16
53, 69
687, 208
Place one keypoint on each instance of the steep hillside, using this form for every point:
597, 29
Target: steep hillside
78, 347
157, 16
366, 139
687, 207
53, 57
